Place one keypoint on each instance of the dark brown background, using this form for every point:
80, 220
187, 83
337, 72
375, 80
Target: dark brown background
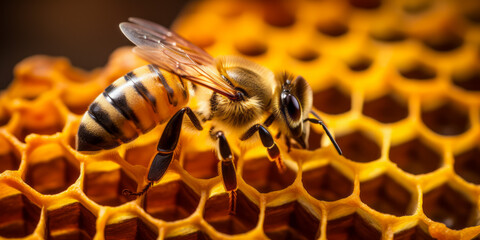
84, 31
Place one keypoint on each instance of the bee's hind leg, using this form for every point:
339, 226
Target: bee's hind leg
268, 142
166, 147
227, 167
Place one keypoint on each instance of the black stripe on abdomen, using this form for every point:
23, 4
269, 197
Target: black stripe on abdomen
142, 90
91, 141
101, 117
118, 100
170, 92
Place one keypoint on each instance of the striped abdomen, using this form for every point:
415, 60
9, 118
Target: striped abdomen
132, 105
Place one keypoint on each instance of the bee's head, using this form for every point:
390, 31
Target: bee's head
294, 105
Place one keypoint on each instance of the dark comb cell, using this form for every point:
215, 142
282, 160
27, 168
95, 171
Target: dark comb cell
467, 165
418, 71
52, 176
72, 221
217, 209
447, 119
443, 41
385, 195
357, 147
18, 216
359, 63
351, 227
415, 157
446, 205
304, 54
133, 228
331, 101
332, 28
171, 201
105, 187
326, 183
278, 13
468, 79
290, 221
263, 175
251, 47
386, 109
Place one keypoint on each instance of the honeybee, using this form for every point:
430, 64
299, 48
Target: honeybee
239, 97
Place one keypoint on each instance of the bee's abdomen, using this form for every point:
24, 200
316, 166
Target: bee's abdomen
132, 105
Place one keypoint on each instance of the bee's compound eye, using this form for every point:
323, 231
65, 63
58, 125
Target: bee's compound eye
292, 106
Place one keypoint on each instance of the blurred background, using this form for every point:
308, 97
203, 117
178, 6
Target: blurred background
86, 32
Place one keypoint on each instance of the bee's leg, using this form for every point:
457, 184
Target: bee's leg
224, 154
166, 147
318, 120
268, 142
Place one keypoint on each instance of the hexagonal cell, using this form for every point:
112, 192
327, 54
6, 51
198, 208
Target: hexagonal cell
468, 79
72, 221
171, 201
416, 70
326, 183
50, 169
9, 156
446, 205
386, 109
413, 233
19, 216
203, 165
359, 63
365, 4
278, 13
332, 28
290, 221
351, 227
104, 182
263, 175
385, 195
357, 147
332, 101
467, 165
133, 228
304, 54
443, 41
39, 119
198, 235
217, 209
447, 119
141, 155
251, 47
415, 157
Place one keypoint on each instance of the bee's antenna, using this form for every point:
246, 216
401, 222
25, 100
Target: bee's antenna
127, 192
317, 121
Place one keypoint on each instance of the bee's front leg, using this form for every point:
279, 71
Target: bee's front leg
166, 147
224, 154
268, 142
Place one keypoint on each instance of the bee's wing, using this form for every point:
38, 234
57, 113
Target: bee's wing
171, 52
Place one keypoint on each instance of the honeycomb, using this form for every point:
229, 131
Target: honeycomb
397, 82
